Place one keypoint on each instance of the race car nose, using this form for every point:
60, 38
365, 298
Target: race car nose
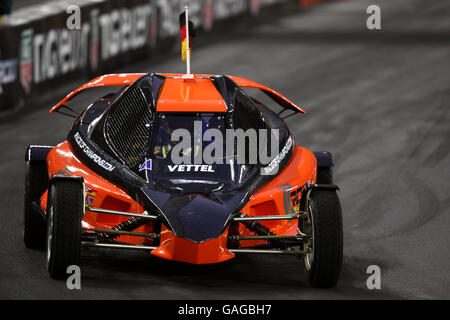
197, 217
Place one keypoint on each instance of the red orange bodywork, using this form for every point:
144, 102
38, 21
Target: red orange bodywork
180, 93
61, 159
246, 83
116, 79
271, 199
278, 196
179, 249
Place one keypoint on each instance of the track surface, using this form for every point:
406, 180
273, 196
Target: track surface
378, 100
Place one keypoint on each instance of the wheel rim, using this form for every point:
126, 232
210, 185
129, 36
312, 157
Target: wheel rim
308, 228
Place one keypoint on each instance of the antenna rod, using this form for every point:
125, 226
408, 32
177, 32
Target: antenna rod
188, 52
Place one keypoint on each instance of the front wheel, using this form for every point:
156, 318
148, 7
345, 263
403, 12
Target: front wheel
64, 214
324, 262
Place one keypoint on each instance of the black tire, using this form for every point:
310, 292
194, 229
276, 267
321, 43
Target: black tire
325, 175
36, 183
64, 214
323, 270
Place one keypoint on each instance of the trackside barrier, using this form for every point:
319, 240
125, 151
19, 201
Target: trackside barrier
38, 51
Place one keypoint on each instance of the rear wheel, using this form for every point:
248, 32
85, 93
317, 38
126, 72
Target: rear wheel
36, 183
324, 224
64, 214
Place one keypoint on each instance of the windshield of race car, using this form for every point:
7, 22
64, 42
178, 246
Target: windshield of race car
181, 147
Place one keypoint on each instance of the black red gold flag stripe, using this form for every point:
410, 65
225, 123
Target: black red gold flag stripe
183, 34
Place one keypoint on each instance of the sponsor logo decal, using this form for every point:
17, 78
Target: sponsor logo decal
153, 25
208, 15
191, 168
147, 165
90, 195
7, 72
291, 198
91, 154
26, 59
56, 52
276, 161
124, 29
295, 197
229, 8
64, 172
288, 207
94, 42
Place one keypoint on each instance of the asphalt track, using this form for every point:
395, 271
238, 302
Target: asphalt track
378, 100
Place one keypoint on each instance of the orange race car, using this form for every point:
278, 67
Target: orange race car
118, 181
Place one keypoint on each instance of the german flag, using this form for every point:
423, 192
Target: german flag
183, 35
